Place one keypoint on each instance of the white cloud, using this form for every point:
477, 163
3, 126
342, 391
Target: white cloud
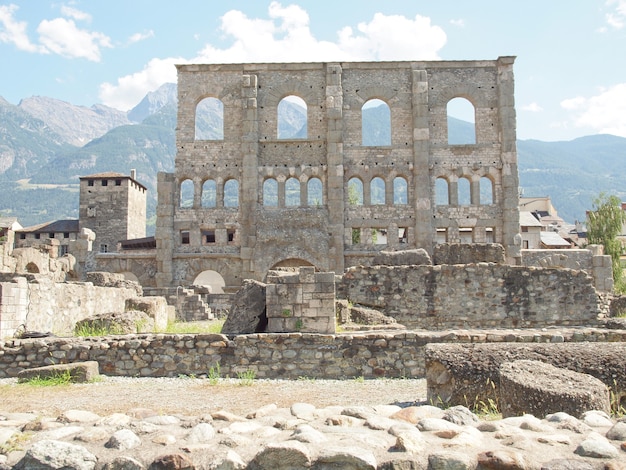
75, 14
459, 22
286, 37
137, 37
617, 17
131, 89
605, 112
532, 107
14, 32
61, 36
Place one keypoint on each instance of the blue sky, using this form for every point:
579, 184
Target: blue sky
570, 72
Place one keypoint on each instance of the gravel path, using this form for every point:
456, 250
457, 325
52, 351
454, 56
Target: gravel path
190, 396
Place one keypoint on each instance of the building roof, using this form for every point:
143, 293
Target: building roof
112, 175
8, 222
553, 239
56, 226
138, 243
527, 219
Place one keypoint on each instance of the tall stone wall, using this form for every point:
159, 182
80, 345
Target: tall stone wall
479, 295
285, 356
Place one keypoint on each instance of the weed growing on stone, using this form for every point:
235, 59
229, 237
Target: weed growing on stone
214, 374
246, 377
95, 329
304, 378
299, 324
616, 395
15, 443
490, 407
360, 379
60, 378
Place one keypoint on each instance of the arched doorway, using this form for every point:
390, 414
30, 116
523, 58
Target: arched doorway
291, 263
213, 279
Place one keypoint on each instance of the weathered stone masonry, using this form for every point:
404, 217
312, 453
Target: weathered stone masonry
246, 238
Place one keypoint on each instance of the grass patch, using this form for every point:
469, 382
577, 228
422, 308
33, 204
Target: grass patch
204, 327
214, 374
15, 443
58, 379
96, 329
246, 377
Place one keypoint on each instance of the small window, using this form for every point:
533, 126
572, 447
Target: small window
525, 244
22, 236
209, 236
524, 229
104, 248
51, 235
105, 182
403, 235
184, 237
356, 236
230, 233
89, 182
66, 234
63, 249
118, 182
37, 236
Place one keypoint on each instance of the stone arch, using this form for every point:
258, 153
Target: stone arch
375, 123
377, 191
270, 192
210, 278
355, 191
32, 268
462, 109
442, 191
186, 192
290, 106
400, 191
291, 263
315, 192
209, 119
464, 188
292, 192
209, 193
487, 194
231, 192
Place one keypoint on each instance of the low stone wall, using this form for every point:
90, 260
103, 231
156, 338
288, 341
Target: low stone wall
482, 295
286, 355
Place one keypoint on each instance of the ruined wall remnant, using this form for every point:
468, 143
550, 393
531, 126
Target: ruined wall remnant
249, 197
482, 295
457, 253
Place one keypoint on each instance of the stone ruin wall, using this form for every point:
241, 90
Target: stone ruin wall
251, 152
482, 295
285, 356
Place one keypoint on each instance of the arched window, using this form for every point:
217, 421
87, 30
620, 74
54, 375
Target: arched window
231, 193
461, 122
209, 120
186, 194
292, 192
355, 192
375, 123
314, 192
270, 193
209, 194
377, 191
465, 195
292, 118
486, 190
400, 195
442, 194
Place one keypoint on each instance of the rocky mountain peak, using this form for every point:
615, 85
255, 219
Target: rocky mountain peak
165, 95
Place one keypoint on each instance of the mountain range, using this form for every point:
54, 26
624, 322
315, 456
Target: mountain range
47, 144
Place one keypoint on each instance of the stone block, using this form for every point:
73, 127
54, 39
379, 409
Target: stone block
78, 372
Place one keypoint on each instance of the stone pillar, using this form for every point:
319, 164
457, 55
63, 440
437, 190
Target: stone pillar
335, 185
510, 179
424, 231
164, 234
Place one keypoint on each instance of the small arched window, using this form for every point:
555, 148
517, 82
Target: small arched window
292, 192
209, 120
231, 193
400, 193
355, 192
270, 192
442, 194
461, 122
465, 195
292, 118
209, 194
314, 192
377, 191
486, 191
375, 123
186, 194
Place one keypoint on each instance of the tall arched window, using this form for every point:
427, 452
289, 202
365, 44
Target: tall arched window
292, 118
209, 194
270, 192
209, 120
377, 191
461, 122
292, 192
486, 190
231, 193
400, 186
186, 194
465, 195
355, 192
314, 192
442, 194
375, 123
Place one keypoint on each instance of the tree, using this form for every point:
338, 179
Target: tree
604, 224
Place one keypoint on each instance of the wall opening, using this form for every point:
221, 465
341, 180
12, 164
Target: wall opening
186, 194
291, 263
292, 118
32, 268
270, 193
209, 120
292, 192
377, 191
355, 192
213, 279
375, 124
231, 193
465, 195
209, 194
442, 194
486, 191
400, 193
314, 192
461, 116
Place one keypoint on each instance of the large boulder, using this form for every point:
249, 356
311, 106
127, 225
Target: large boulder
541, 389
116, 323
78, 372
247, 314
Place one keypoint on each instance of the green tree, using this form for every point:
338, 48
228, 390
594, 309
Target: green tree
604, 224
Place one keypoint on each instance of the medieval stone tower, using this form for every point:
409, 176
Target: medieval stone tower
114, 207
249, 198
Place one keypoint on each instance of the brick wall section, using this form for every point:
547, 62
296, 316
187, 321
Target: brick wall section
482, 295
286, 356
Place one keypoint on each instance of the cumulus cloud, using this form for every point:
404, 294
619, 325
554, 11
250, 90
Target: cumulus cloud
532, 107
616, 18
605, 112
14, 32
137, 37
285, 36
459, 22
57, 36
